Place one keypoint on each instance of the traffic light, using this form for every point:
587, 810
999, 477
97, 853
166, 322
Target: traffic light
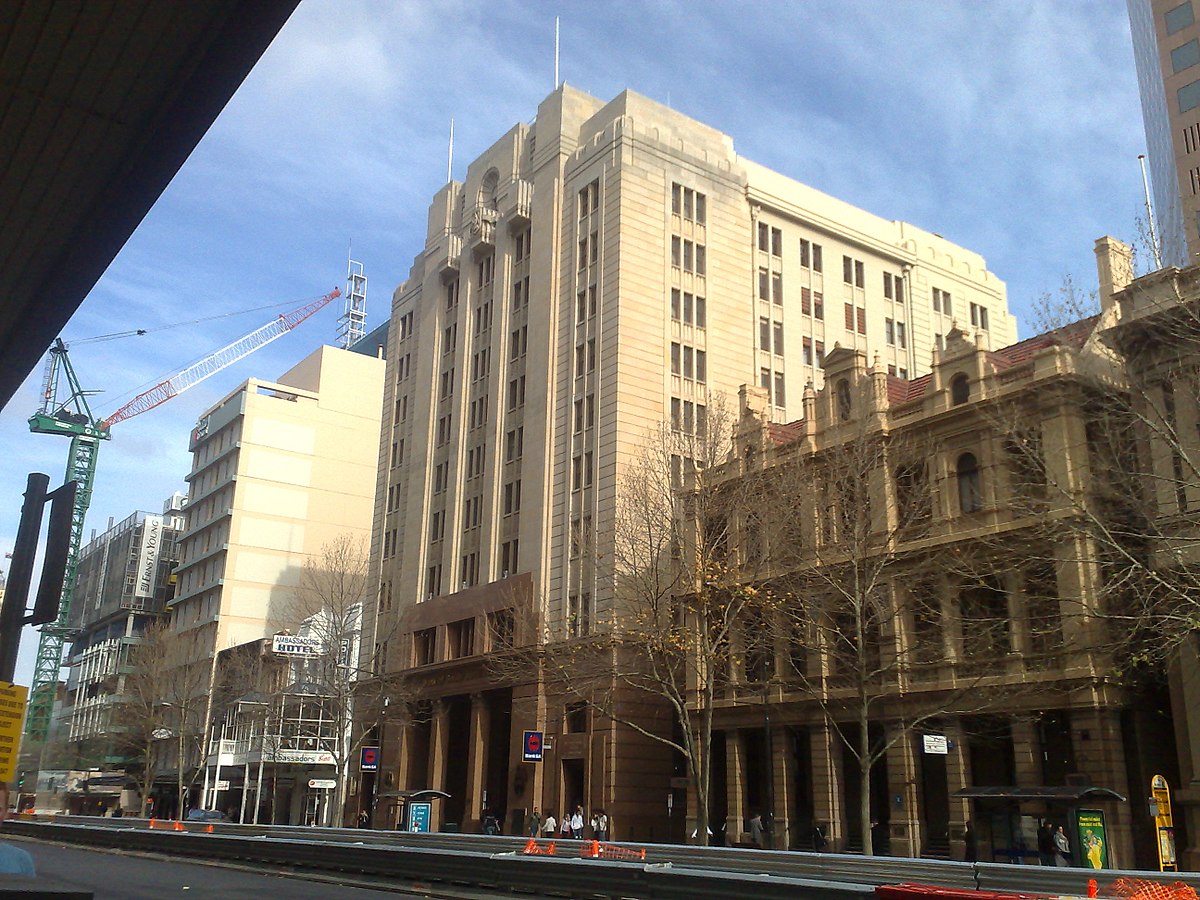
58, 547
20, 573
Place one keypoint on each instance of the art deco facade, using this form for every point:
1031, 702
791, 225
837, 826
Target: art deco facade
280, 469
604, 269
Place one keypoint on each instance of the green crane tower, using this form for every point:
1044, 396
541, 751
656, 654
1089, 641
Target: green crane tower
64, 411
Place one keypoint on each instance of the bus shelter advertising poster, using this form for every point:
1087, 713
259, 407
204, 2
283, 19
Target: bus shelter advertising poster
1091, 843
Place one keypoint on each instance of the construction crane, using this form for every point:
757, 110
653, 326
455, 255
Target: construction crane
65, 411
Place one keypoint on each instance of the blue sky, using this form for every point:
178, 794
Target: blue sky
1011, 127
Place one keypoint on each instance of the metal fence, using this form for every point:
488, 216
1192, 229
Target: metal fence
481, 861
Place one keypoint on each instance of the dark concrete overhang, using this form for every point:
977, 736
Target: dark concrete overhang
100, 104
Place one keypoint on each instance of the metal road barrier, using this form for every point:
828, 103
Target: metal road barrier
825, 875
307, 849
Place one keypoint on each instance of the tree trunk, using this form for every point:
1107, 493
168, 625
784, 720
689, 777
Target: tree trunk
181, 800
864, 783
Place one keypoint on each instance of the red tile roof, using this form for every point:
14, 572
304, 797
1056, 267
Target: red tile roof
901, 390
785, 434
1074, 335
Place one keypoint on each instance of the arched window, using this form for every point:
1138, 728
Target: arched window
843, 399
487, 190
960, 389
970, 491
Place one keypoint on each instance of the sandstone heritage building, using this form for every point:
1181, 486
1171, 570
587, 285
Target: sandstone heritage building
604, 269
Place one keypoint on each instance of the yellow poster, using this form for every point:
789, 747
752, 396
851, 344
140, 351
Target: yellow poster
13, 698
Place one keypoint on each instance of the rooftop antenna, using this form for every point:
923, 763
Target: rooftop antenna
557, 82
352, 323
1154, 248
450, 155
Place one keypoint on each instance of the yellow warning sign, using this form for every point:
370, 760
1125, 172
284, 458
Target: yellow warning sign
13, 698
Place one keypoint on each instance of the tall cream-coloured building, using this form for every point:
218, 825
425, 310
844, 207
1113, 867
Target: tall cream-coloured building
279, 469
604, 269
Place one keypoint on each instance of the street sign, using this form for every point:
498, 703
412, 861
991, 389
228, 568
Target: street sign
531, 750
936, 744
13, 699
368, 759
323, 784
419, 815
1164, 823
222, 784
293, 645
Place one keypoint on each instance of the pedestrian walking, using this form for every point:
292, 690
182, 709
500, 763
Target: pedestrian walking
971, 849
601, 826
565, 829
577, 823
550, 825
534, 823
1062, 848
756, 829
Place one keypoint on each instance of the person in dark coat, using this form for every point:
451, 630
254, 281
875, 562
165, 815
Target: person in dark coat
971, 848
1046, 844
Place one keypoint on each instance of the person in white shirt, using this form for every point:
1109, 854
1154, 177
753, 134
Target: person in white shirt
577, 823
550, 824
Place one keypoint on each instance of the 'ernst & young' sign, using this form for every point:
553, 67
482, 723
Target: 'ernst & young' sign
147, 569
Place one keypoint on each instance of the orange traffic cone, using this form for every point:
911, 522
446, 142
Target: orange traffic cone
179, 826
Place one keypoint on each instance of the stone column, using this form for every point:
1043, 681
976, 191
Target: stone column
902, 775
784, 775
439, 736
735, 787
477, 763
827, 784
958, 776
1100, 753
1185, 707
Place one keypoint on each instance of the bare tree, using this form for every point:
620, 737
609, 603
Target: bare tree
679, 595
165, 697
335, 700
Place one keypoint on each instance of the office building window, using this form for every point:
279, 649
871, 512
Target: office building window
942, 302
512, 497
889, 332
508, 557
979, 316
853, 272
777, 335
1185, 56
764, 334
514, 444
780, 400
1179, 17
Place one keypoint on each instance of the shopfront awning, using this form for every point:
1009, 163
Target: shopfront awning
1063, 794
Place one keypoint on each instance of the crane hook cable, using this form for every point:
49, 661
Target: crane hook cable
138, 332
